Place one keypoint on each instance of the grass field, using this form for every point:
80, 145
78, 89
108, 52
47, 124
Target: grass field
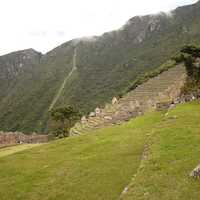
14, 149
174, 153
94, 166
99, 165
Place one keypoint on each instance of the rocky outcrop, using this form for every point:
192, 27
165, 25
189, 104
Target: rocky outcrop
11, 65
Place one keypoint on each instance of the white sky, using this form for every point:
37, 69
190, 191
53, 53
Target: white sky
45, 24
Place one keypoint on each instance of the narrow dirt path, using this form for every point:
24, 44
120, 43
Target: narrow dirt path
144, 157
74, 68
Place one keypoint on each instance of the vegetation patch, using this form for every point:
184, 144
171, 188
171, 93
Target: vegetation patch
14, 149
174, 153
92, 166
100, 165
62, 119
190, 56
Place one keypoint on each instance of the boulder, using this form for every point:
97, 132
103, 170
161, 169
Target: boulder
163, 105
196, 172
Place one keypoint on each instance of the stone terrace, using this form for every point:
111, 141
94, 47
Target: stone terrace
163, 88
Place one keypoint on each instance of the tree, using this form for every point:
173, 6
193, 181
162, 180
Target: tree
191, 50
66, 117
189, 65
191, 54
191, 59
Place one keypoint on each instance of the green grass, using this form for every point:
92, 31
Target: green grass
99, 165
174, 153
94, 166
13, 149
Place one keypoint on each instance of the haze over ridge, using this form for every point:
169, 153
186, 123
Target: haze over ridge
43, 25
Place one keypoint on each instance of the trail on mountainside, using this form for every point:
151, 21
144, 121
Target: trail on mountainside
65, 81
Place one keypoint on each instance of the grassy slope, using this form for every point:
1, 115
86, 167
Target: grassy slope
13, 149
99, 165
174, 152
94, 166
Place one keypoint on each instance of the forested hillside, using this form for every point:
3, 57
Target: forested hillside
89, 72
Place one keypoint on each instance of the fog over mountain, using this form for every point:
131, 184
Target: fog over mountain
42, 25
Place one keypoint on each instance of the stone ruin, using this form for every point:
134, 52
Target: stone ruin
83, 119
114, 100
160, 106
92, 114
97, 111
12, 138
161, 93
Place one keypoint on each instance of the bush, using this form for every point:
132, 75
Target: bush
179, 58
190, 54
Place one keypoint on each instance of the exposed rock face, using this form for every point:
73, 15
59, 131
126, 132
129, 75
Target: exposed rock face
13, 68
196, 172
154, 24
11, 65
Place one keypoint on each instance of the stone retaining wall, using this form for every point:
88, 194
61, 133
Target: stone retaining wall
12, 138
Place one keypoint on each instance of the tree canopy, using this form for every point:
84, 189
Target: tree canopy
66, 118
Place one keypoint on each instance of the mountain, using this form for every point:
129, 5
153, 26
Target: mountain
88, 72
13, 65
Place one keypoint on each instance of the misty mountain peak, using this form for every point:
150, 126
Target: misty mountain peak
12, 64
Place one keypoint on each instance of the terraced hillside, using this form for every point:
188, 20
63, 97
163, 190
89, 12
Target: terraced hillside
165, 87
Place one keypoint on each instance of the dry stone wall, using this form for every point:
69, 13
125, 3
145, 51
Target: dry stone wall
10, 138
